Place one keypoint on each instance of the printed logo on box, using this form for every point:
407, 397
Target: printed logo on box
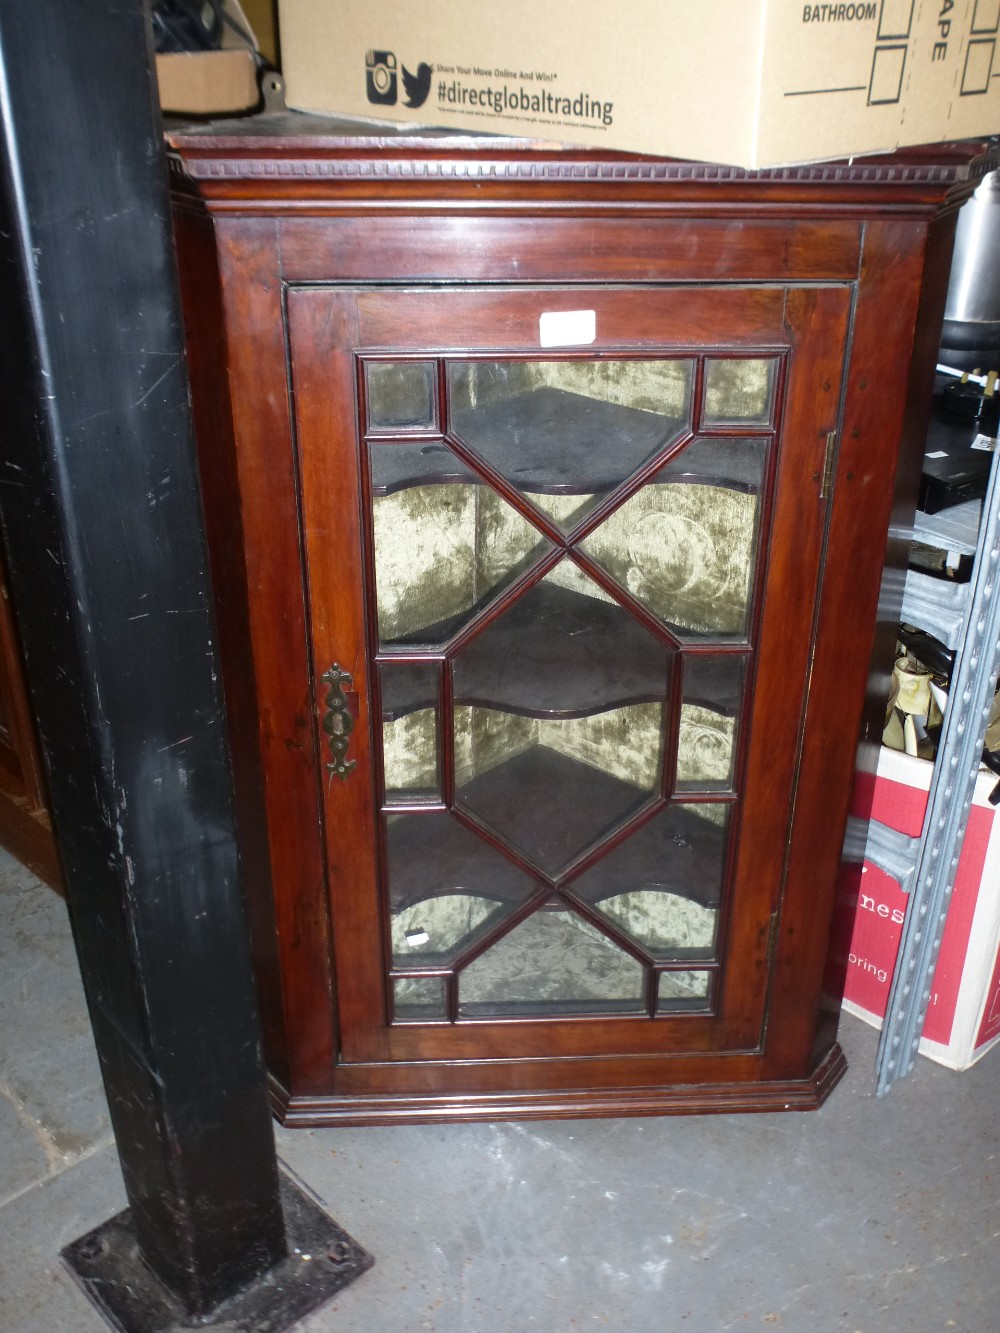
381, 84
518, 94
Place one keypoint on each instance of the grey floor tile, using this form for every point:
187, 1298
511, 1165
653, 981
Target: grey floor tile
37, 1295
23, 1160
47, 1059
872, 1216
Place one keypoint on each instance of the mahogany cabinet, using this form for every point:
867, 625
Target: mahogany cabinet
548, 493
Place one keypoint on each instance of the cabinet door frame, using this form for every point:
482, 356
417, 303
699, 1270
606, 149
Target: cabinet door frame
328, 325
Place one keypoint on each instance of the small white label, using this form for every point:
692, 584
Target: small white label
415, 937
987, 442
952, 559
939, 453
567, 328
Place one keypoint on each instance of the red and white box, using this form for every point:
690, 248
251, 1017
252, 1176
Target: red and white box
963, 1017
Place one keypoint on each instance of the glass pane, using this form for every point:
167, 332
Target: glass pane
443, 548
418, 999
740, 392
666, 924
565, 433
683, 990
712, 699
439, 928
446, 887
559, 720
663, 883
400, 395
552, 963
564, 648
685, 544
409, 730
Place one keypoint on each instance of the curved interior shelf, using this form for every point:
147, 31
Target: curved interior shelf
547, 441
709, 461
549, 806
397, 467
558, 653
433, 854
552, 442
676, 852
554, 654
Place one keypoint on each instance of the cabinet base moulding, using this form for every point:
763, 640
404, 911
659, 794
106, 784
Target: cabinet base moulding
308, 1112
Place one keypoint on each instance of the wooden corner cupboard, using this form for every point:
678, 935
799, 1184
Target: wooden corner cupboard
548, 495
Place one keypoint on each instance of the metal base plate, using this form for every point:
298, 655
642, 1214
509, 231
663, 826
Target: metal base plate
322, 1260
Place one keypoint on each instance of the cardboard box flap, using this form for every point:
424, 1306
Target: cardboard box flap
204, 83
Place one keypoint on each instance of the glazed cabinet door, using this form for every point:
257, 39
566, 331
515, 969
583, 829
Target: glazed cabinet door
562, 551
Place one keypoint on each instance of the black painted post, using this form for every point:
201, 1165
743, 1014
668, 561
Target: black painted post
101, 516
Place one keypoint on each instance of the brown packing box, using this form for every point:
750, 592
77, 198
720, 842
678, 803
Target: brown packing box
207, 83
750, 82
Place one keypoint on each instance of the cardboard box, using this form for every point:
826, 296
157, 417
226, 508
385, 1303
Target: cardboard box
209, 83
963, 1019
749, 82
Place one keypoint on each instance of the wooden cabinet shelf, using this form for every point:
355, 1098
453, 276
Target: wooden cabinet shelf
554, 653
577, 856
677, 851
558, 653
552, 442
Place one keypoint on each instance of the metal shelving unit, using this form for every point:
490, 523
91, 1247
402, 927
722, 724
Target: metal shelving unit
966, 618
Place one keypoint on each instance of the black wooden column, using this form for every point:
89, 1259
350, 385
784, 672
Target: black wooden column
101, 517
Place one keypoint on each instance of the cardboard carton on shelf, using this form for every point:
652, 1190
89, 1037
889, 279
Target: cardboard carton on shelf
963, 1018
209, 83
753, 83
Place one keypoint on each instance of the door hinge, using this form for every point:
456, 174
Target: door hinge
829, 465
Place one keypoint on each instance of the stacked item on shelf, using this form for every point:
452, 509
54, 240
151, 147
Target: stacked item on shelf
924, 952
936, 597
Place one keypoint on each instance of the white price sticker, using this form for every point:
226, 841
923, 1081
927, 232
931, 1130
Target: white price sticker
567, 328
938, 453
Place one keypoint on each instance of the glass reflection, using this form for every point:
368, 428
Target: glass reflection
444, 549
409, 731
739, 392
566, 433
419, 999
683, 990
447, 886
400, 395
712, 700
685, 544
553, 963
662, 885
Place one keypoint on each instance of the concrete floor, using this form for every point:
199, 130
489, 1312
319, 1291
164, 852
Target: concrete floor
869, 1216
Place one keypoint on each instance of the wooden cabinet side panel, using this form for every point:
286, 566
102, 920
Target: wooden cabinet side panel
816, 319
265, 477
927, 338
206, 347
875, 405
